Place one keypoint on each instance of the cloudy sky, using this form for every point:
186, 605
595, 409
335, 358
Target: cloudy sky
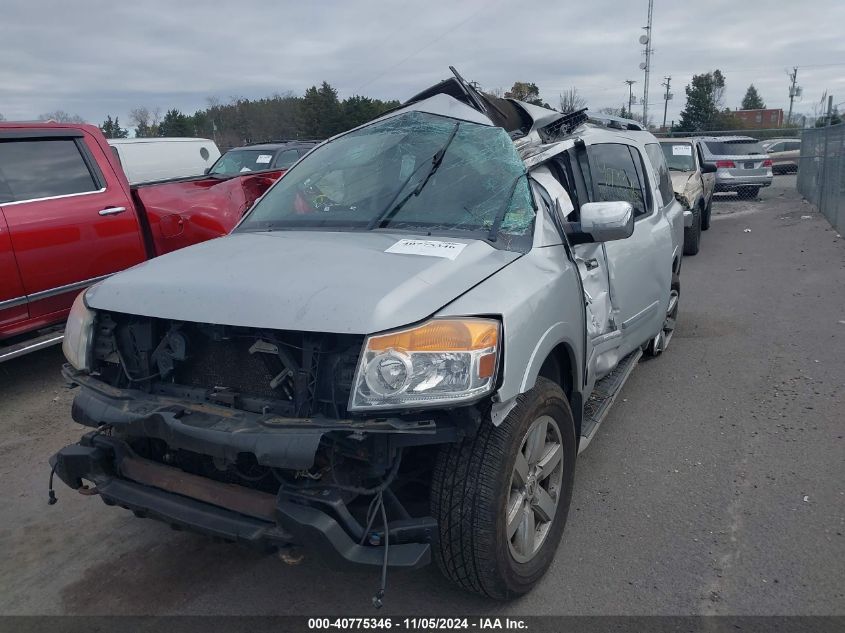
94, 57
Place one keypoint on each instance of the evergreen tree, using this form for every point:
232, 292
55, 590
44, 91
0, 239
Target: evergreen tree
321, 112
752, 100
112, 129
704, 100
175, 123
358, 110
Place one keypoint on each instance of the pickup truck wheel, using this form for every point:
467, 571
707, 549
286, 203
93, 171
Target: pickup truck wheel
501, 498
692, 235
705, 218
658, 345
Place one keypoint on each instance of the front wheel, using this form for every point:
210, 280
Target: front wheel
692, 235
501, 498
705, 218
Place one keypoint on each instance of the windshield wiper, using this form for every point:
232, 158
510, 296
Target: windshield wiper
393, 207
500, 215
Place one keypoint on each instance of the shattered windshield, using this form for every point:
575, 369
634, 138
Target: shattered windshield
415, 172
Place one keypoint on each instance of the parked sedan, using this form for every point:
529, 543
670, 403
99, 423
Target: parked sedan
784, 154
741, 162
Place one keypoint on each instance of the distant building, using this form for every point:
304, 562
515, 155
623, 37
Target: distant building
761, 119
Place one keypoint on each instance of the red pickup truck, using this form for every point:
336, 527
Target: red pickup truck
69, 218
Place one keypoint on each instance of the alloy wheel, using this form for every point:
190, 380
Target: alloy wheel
534, 489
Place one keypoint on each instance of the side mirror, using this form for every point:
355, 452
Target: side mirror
605, 221
708, 168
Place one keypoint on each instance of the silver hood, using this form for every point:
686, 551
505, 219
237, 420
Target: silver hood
299, 280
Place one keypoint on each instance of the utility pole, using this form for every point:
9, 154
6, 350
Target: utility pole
630, 83
829, 109
794, 91
645, 40
666, 98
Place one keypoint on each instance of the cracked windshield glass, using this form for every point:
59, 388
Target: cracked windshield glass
415, 172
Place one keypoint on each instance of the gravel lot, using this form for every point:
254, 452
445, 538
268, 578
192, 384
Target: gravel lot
716, 486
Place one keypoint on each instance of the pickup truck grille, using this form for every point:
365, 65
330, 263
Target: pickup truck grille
291, 373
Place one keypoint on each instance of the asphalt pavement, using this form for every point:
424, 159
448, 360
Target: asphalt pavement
715, 486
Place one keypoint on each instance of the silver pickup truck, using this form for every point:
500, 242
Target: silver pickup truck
401, 349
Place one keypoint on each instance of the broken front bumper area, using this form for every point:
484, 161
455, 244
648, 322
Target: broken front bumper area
314, 517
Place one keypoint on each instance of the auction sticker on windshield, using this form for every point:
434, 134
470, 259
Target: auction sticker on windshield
681, 150
430, 248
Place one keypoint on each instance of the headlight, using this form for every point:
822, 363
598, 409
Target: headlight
444, 361
79, 334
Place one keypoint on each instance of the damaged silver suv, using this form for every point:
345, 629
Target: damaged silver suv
401, 349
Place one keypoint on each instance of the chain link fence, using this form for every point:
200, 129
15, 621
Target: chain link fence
821, 171
761, 134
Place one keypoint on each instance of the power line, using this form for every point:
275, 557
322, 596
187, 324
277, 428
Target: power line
422, 48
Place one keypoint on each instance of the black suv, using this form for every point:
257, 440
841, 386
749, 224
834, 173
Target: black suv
261, 157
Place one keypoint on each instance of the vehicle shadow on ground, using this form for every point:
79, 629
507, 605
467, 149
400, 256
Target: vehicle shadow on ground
732, 198
28, 372
187, 573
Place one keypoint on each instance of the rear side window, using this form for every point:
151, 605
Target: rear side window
657, 160
42, 169
734, 148
615, 176
286, 158
792, 145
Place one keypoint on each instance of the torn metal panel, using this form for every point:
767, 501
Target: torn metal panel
687, 187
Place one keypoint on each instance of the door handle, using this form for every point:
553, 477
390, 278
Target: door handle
112, 210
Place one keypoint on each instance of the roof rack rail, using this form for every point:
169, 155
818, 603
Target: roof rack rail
617, 122
290, 140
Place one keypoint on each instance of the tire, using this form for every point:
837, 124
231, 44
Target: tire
692, 235
658, 345
705, 218
748, 192
474, 484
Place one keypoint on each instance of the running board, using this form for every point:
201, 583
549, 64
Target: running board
31, 345
604, 393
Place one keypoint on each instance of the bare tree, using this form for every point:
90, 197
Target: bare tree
622, 113
146, 121
571, 101
144, 116
60, 116
495, 92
